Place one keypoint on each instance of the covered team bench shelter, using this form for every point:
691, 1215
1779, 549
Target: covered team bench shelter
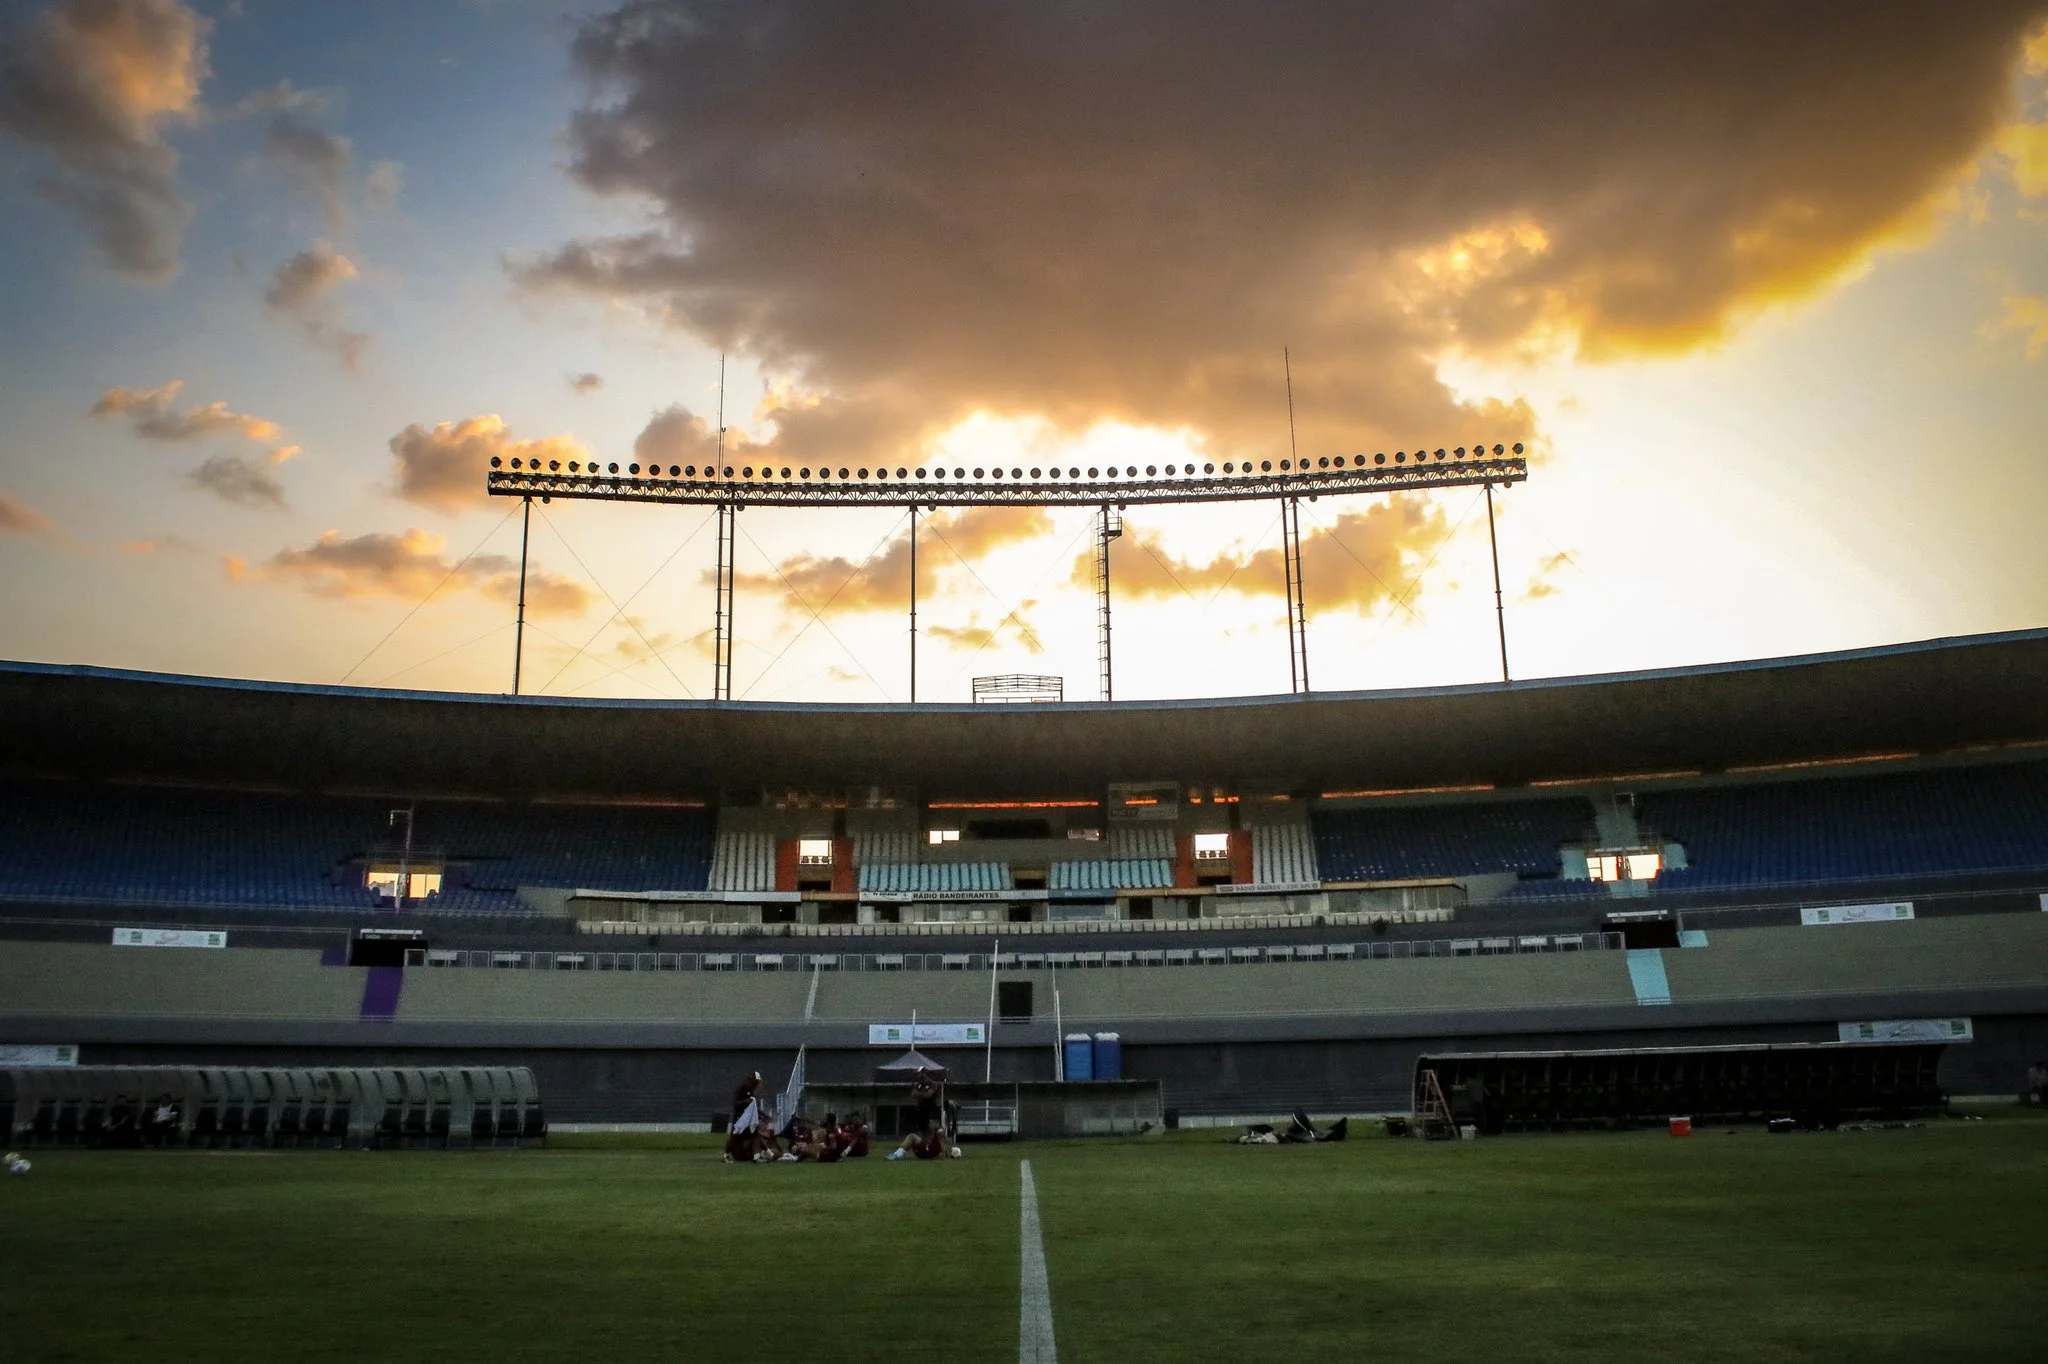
1029, 1109
216, 1106
1814, 1083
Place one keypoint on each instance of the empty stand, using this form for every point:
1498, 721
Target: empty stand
1121, 874
743, 859
1976, 819
1393, 843
901, 877
69, 841
1283, 854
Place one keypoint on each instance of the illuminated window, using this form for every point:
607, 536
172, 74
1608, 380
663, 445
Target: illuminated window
421, 884
814, 852
1632, 866
1212, 847
938, 836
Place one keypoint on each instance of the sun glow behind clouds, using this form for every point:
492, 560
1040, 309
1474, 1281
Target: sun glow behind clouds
1011, 440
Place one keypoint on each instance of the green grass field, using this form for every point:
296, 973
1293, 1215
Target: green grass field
1918, 1244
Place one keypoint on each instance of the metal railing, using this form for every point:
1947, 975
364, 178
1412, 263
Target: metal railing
1129, 959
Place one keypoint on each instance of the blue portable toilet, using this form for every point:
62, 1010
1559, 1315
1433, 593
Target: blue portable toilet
1109, 1056
1080, 1056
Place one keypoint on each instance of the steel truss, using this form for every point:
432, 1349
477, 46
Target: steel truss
730, 488
1332, 477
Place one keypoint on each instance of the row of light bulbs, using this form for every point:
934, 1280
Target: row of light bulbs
1130, 471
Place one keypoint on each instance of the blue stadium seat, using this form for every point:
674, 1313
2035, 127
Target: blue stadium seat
154, 845
1396, 843
1977, 819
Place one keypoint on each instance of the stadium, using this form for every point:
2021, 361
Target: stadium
642, 709
1273, 902
1806, 890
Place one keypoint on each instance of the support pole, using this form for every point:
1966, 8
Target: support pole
1290, 555
1500, 614
988, 1051
519, 632
721, 625
1297, 602
1109, 528
913, 603
721, 605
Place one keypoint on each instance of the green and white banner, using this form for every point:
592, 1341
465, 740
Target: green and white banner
927, 1034
1857, 914
1909, 1030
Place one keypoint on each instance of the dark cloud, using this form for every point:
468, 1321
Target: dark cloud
1112, 211
18, 518
92, 83
301, 290
152, 415
1367, 561
586, 382
410, 565
240, 481
676, 435
316, 160
444, 467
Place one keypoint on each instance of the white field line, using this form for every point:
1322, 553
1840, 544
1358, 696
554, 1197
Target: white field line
1034, 1296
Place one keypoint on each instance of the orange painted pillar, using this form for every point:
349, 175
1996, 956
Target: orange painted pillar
1241, 857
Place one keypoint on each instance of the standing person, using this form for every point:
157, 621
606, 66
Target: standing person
927, 1090
2037, 1084
746, 1115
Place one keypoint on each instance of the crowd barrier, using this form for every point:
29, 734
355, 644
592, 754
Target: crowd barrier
215, 1107
482, 958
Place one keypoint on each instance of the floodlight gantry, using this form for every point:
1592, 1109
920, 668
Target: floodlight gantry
1109, 489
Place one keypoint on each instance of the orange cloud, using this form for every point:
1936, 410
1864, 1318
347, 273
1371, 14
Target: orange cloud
973, 637
443, 468
160, 544
2029, 316
151, 414
1366, 560
828, 583
2025, 147
18, 518
410, 565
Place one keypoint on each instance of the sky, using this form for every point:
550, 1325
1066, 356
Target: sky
1763, 288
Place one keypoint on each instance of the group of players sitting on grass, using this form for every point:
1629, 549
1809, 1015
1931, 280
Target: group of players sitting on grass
1300, 1130
754, 1138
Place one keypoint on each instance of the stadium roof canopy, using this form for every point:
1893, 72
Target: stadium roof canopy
1914, 699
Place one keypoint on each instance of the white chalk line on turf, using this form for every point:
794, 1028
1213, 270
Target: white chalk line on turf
1034, 1295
